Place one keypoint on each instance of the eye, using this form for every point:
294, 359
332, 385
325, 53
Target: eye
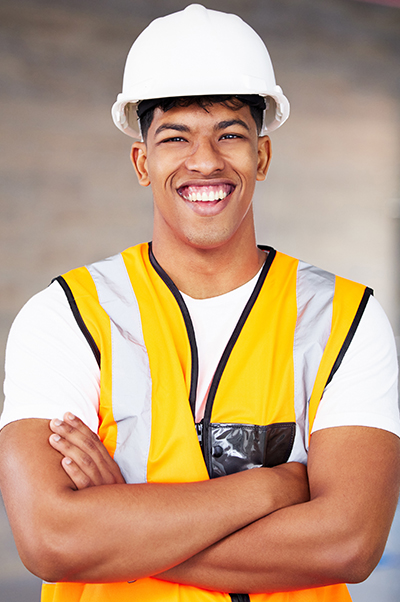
231, 136
173, 139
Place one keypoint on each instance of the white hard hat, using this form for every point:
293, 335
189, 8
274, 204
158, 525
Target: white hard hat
198, 52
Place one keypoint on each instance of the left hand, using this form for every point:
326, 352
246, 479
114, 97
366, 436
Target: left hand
86, 461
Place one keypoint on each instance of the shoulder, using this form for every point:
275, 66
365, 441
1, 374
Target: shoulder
44, 323
363, 391
45, 307
375, 325
49, 366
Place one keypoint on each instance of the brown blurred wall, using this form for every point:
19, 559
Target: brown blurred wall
68, 194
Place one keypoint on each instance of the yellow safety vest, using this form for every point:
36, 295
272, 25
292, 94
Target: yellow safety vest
288, 343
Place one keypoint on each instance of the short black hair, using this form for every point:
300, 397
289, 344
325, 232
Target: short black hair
146, 108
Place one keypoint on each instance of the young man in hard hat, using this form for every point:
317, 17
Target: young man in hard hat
200, 356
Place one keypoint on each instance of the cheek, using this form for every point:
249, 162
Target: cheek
161, 172
248, 171
245, 162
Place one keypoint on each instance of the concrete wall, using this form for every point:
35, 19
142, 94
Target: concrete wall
68, 195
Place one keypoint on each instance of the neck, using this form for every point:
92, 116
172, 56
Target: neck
205, 273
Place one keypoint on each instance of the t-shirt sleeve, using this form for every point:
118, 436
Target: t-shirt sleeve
363, 391
50, 368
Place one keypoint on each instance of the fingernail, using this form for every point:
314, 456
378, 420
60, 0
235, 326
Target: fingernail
67, 460
56, 438
57, 421
70, 416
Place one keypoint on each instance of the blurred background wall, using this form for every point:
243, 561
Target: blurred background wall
68, 195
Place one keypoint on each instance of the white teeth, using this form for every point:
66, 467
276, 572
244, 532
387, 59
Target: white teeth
206, 196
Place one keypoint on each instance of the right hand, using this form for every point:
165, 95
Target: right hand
86, 461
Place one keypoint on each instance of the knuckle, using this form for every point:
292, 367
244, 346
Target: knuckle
90, 444
68, 428
87, 460
66, 444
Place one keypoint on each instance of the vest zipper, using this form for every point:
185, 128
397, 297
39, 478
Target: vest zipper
204, 439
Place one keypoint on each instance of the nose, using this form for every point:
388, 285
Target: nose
205, 158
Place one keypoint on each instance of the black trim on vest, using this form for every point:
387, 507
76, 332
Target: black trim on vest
228, 350
240, 597
206, 439
78, 317
189, 327
363, 303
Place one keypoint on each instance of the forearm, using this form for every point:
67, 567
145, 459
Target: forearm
338, 536
121, 532
287, 550
124, 532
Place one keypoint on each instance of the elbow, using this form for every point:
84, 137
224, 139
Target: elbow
48, 570
362, 563
46, 559
51, 553
355, 559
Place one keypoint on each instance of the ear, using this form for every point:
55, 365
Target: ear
264, 157
139, 161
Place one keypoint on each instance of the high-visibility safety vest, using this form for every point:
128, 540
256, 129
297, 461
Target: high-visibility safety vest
285, 348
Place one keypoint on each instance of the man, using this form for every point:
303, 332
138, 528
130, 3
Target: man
200, 356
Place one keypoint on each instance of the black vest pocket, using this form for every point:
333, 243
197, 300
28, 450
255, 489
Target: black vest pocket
237, 447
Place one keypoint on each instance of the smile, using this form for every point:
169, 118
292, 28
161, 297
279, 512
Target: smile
206, 194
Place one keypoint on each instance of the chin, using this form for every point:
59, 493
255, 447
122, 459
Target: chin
208, 241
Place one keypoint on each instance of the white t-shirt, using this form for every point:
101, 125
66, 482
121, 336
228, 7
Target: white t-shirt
50, 368
214, 320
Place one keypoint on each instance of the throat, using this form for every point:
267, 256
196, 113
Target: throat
201, 282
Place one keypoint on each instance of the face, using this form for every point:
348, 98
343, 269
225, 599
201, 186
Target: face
202, 167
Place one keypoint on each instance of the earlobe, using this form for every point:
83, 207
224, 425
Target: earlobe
139, 161
264, 157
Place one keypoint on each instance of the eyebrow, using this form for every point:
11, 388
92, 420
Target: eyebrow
222, 125
172, 126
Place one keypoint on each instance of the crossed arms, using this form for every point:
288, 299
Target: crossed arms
259, 530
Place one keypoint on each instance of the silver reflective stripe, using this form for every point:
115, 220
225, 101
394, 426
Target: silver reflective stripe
131, 381
315, 291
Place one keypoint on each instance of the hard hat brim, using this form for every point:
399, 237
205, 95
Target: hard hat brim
125, 118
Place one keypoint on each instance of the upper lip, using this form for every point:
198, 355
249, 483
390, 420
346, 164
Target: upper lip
210, 182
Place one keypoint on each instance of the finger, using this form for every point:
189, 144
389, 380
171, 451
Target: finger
94, 457
82, 461
79, 478
92, 439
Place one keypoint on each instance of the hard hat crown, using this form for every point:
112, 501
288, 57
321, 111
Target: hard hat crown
199, 52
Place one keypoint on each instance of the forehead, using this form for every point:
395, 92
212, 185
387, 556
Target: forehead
195, 117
